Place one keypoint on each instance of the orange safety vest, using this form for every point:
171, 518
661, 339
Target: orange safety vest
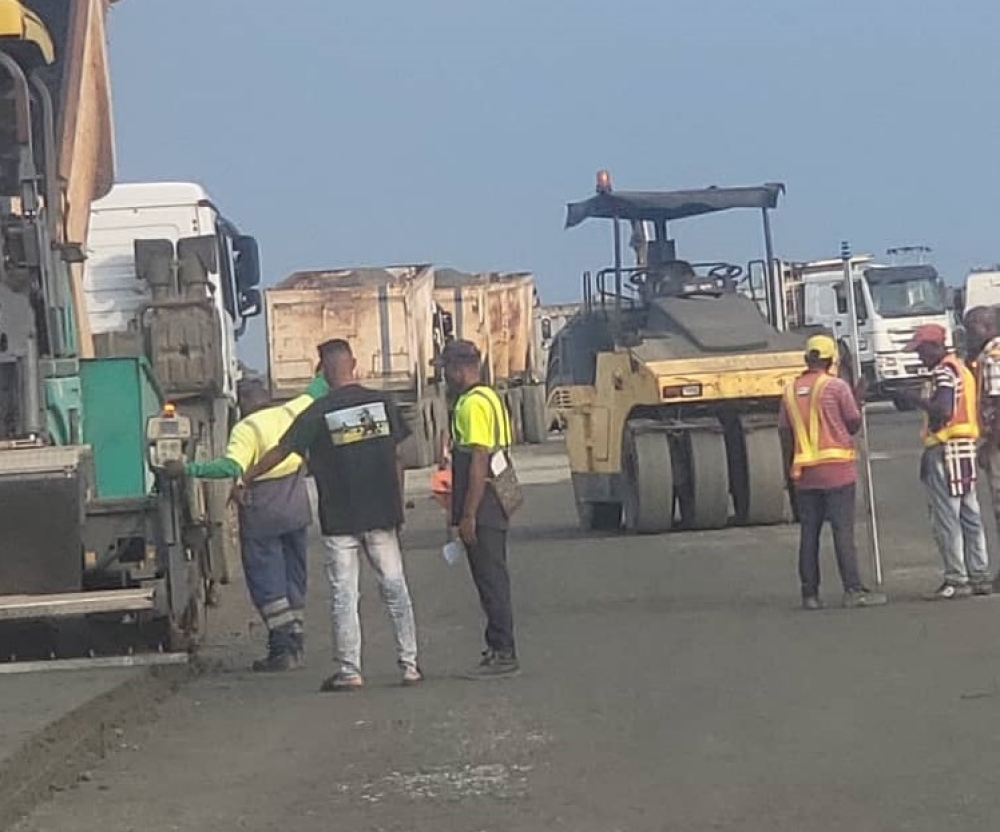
964, 422
814, 443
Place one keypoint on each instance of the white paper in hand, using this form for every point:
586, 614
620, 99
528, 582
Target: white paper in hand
453, 551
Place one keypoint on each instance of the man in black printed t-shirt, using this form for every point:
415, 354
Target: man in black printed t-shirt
351, 438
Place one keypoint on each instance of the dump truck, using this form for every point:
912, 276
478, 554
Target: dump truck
673, 378
388, 316
497, 312
549, 322
91, 524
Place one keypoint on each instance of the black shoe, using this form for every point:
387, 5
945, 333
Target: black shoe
982, 588
276, 662
495, 666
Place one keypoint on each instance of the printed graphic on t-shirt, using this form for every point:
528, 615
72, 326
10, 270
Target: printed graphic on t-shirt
356, 424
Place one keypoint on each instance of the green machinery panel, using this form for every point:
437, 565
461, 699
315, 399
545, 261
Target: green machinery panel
119, 394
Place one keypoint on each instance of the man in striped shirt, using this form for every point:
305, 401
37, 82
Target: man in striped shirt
948, 466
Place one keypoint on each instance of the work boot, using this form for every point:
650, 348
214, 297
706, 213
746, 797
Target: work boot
495, 665
812, 603
862, 597
949, 592
277, 661
281, 654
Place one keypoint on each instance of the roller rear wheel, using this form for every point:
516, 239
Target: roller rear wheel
648, 481
704, 493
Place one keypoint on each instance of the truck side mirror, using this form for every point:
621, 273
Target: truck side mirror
247, 262
250, 303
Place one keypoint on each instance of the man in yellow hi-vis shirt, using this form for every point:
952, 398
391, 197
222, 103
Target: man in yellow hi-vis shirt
275, 515
480, 429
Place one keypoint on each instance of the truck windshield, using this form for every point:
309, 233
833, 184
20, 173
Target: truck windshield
902, 298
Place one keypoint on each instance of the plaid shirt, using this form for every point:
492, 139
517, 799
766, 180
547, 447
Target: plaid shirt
988, 377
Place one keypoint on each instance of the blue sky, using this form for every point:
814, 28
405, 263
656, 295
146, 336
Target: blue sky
455, 132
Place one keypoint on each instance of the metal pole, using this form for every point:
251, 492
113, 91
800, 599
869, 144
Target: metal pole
866, 462
618, 272
775, 302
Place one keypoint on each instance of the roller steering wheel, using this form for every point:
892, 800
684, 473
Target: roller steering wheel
726, 271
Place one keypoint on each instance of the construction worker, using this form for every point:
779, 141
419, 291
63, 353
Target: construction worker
948, 466
983, 346
481, 429
819, 417
360, 484
274, 520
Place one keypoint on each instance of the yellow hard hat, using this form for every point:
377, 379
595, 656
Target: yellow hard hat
824, 347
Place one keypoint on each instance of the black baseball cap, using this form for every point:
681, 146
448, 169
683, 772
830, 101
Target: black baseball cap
458, 352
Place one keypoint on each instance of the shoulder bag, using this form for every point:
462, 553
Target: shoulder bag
502, 478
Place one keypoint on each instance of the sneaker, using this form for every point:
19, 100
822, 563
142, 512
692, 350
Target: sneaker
276, 662
949, 592
982, 588
342, 682
863, 597
495, 666
412, 676
811, 602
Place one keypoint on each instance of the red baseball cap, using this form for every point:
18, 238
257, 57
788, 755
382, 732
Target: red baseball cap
927, 334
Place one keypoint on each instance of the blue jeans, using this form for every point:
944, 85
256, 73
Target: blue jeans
343, 565
275, 570
957, 524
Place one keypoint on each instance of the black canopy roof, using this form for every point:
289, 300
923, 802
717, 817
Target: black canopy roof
667, 206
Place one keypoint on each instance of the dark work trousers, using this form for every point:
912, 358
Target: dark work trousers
275, 571
488, 563
836, 506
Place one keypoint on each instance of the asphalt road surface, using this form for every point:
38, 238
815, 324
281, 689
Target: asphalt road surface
670, 683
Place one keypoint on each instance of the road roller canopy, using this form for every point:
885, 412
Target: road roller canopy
23, 34
666, 206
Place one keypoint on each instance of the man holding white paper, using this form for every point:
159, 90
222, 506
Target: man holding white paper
481, 434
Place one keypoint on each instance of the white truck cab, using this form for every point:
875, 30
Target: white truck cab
169, 211
982, 288
892, 301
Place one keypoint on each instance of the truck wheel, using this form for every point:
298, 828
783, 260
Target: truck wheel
514, 401
599, 517
418, 449
535, 428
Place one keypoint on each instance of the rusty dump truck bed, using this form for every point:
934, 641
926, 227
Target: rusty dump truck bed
384, 313
493, 310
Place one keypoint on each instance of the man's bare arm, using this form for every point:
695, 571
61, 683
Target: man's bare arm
271, 459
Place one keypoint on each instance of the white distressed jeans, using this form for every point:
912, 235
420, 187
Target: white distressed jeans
343, 569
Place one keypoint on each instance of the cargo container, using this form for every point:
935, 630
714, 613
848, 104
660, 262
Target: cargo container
388, 316
496, 311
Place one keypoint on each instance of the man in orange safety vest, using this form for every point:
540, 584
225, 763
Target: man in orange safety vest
948, 466
819, 418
